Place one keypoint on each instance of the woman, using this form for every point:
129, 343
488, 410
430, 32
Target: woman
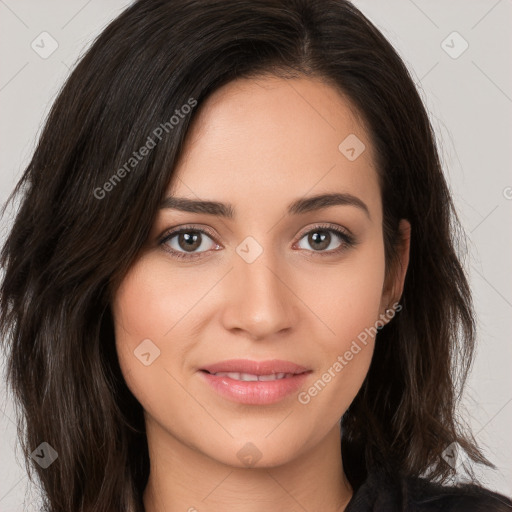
231, 283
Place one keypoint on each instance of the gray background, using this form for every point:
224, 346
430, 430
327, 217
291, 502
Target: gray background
470, 101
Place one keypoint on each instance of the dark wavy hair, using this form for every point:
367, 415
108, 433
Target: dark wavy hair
69, 248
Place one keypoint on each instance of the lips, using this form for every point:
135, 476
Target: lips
255, 382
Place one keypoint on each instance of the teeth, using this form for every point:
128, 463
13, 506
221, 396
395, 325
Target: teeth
248, 377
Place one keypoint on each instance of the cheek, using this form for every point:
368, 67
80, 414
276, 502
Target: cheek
158, 302
151, 303
148, 310
348, 301
348, 295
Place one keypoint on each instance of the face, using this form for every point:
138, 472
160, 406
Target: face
304, 285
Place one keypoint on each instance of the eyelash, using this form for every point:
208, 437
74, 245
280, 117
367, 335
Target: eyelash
347, 240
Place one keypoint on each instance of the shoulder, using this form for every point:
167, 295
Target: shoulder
426, 496
386, 492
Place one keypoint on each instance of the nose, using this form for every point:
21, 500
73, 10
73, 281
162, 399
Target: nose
259, 300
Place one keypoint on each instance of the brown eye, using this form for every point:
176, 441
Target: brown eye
189, 242
319, 239
185, 242
323, 240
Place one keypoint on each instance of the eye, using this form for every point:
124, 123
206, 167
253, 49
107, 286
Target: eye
190, 242
321, 239
185, 242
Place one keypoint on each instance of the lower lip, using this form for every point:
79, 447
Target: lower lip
255, 392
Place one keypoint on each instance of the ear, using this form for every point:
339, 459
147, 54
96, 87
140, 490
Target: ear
395, 279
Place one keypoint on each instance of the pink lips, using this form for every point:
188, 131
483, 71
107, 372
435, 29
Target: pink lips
255, 392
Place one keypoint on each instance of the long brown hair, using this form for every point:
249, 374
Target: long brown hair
70, 245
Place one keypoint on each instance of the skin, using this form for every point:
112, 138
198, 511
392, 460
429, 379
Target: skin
258, 144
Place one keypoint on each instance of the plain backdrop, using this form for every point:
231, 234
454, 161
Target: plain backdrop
465, 79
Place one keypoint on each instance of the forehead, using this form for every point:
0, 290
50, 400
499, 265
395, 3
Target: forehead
267, 141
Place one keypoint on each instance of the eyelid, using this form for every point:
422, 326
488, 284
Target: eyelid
187, 227
327, 226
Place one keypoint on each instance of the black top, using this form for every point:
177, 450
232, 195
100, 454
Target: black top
384, 492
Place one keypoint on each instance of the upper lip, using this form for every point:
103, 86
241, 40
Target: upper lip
255, 367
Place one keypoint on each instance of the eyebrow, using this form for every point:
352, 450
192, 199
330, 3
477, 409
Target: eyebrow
297, 207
